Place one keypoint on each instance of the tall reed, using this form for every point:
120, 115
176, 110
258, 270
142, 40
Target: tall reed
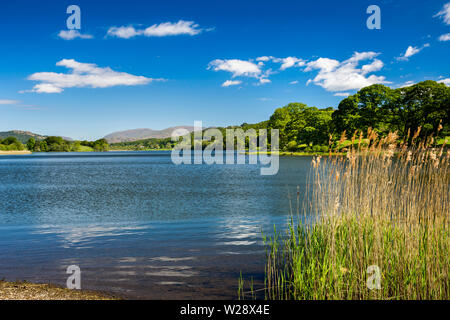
385, 205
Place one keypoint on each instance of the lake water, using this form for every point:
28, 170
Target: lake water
138, 225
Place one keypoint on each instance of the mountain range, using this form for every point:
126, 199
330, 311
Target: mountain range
115, 137
140, 134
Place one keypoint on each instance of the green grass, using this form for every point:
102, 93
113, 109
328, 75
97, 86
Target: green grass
85, 149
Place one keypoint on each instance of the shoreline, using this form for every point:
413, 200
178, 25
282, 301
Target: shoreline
24, 290
15, 152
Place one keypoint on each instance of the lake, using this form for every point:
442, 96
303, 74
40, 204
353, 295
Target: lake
139, 226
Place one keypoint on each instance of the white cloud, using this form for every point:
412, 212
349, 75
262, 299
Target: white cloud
264, 81
444, 14
445, 37
236, 67
289, 62
157, 30
410, 51
123, 32
286, 63
445, 81
173, 29
342, 94
324, 64
242, 68
376, 65
73, 34
293, 82
84, 75
264, 58
8, 102
231, 83
342, 76
407, 84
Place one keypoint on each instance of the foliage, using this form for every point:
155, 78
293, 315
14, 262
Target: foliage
425, 104
383, 205
11, 144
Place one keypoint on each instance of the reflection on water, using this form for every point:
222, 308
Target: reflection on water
137, 225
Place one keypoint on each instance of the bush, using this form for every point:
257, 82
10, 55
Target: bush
292, 146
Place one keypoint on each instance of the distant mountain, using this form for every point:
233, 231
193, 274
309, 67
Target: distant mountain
140, 134
22, 136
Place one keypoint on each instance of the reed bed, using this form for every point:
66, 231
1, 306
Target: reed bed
382, 208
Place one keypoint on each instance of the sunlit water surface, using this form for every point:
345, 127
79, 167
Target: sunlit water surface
139, 226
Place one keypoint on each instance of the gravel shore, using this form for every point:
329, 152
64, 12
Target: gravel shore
33, 291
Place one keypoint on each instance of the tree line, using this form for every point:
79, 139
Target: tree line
53, 144
423, 107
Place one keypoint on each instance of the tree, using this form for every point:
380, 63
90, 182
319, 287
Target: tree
302, 124
424, 105
31, 143
76, 146
101, 145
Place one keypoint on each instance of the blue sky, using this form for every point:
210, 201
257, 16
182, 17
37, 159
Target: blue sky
155, 64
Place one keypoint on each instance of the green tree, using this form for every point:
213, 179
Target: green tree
31, 143
101, 145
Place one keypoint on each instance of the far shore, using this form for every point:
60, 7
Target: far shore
14, 152
23, 290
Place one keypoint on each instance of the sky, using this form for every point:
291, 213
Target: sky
156, 64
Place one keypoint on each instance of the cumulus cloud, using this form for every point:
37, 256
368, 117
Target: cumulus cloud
255, 68
410, 51
123, 32
342, 94
229, 83
264, 58
286, 63
333, 75
84, 75
236, 67
445, 37
444, 14
336, 76
445, 81
290, 62
8, 102
73, 34
157, 30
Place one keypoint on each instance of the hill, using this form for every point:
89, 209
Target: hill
141, 134
22, 136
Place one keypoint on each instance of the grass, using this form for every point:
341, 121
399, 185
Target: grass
387, 206
85, 149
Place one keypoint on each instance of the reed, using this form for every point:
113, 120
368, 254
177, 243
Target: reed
384, 204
